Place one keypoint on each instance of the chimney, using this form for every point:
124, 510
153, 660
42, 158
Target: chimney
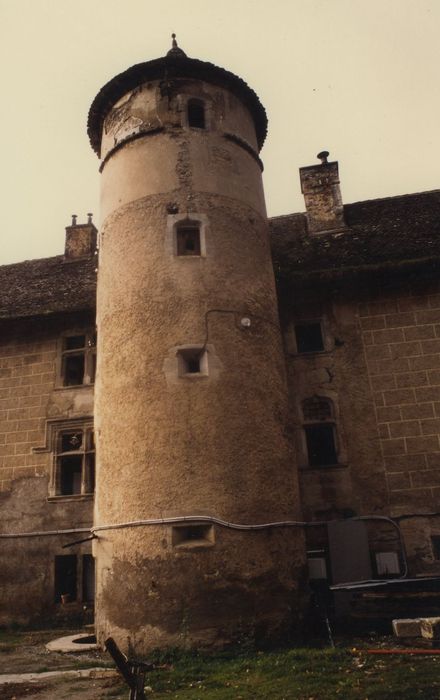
322, 195
80, 239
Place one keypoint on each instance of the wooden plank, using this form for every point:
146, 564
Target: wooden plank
121, 662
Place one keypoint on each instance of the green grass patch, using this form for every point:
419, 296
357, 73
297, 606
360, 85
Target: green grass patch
300, 674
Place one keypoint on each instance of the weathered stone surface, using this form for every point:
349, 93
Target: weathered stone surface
407, 628
430, 628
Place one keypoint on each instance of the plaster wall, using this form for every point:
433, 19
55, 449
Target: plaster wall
164, 161
212, 444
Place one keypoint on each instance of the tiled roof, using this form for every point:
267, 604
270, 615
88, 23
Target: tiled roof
46, 286
381, 233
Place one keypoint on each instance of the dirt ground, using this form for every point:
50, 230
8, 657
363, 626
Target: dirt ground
25, 652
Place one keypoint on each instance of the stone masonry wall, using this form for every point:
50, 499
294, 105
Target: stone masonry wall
27, 373
401, 336
29, 396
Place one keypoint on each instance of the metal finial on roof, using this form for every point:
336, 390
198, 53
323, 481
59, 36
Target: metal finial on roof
175, 50
323, 156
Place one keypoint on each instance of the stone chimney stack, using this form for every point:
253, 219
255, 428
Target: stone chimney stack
322, 195
80, 239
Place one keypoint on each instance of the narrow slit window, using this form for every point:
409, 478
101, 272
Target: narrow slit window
188, 239
193, 535
309, 337
196, 114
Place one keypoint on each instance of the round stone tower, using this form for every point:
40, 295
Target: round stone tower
191, 397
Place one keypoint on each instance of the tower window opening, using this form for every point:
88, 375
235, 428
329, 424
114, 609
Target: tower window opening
192, 362
188, 239
196, 114
309, 337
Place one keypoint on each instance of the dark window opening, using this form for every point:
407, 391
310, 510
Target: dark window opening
73, 342
193, 534
321, 447
88, 578
188, 240
435, 543
65, 578
191, 361
193, 365
196, 114
73, 370
78, 364
70, 475
309, 337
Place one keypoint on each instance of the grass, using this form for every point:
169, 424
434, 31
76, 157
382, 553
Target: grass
300, 674
285, 674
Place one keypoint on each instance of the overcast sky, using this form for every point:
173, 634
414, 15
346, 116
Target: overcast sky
359, 78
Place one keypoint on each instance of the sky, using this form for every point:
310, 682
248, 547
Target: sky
358, 78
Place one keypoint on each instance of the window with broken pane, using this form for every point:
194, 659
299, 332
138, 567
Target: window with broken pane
75, 462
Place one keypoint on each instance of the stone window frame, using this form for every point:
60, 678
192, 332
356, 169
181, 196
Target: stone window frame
173, 223
88, 350
333, 421
55, 431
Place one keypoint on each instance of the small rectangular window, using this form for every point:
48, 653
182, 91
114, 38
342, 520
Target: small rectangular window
309, 337
192, 362
78, 360
321, 448
188, 240
193, 535
196, 114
